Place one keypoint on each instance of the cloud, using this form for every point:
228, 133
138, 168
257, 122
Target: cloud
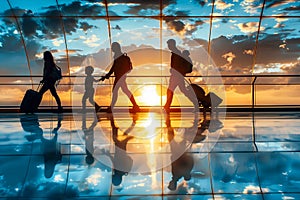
175, 25
292, 68
276, 3
269, 50
57, 42
201, 2
117, 27
292, 8
236, 45
181, 13
28, 24
92, 41
248, 51
85, 26
14, 11
251, 6
221, 5
249, 27
141, 7
229, 57
279, 25
182, 28
52, 27
78, 8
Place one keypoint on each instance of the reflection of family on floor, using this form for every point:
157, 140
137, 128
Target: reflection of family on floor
181, 64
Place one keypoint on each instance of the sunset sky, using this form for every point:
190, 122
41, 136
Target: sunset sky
224, 38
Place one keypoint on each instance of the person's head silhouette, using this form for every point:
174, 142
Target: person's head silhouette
117, 177
171, 44
185, 53
89, 159
48, 57
89, 70
116, 47
49, 167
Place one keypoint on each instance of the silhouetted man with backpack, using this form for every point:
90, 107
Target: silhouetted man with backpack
178, 71
121, 66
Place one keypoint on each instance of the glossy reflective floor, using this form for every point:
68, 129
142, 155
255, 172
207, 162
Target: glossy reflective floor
150, 156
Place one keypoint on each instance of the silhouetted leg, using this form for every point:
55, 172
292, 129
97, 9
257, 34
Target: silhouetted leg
83, 101
92, 101
114, 96
125, 89
44, 89
169, 98
54, 94
170, 91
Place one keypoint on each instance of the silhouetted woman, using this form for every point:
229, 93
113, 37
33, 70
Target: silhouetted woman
120, 73
49, 78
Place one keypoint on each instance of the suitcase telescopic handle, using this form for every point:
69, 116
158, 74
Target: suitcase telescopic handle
38, 87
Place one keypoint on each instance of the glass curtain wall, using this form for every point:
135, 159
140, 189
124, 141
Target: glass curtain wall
251, 47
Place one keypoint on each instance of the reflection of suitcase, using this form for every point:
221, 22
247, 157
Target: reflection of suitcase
31, 101
211, 100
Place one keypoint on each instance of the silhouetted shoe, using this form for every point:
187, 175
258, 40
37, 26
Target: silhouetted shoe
187, 177
136, 108
172, 185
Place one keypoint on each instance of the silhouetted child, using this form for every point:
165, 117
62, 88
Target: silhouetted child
89, 89
89, 139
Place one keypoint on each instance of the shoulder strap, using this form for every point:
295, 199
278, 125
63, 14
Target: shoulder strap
57, 67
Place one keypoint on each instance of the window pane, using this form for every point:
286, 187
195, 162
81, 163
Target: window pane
44, 34
238, 8
133, 8
278, 48
81, 8
40, 8
91, 35
232, 44
281, 8
136, 31
187, 8
12, 52
5, 9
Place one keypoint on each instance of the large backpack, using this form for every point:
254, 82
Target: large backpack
57, 73
124, 65
182, 65
188, 67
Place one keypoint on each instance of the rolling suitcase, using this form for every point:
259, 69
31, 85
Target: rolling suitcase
31, 101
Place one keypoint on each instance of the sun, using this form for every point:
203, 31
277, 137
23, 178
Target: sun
150, 97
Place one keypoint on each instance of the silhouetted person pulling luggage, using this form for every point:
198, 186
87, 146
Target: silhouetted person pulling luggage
50, 76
